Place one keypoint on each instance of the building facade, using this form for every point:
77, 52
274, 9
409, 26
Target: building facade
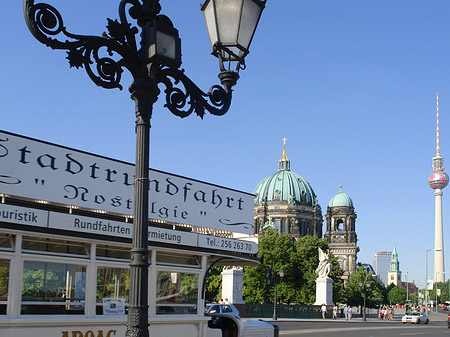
341, 232
394, 275
381, 262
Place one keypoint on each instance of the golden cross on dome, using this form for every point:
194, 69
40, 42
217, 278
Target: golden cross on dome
284, 141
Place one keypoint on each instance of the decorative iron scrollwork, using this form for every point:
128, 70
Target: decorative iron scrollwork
104, 57
182, 102
101, 56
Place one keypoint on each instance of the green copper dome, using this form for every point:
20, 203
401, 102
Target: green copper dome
285, 186
341, 199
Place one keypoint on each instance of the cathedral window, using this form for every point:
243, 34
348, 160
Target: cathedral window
283, 226
339, 225
277, 223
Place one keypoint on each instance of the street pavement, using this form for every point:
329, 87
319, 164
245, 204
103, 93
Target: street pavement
356, 327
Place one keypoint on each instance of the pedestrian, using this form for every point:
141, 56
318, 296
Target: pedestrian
386, 313
221, 301
346, 312
335, 311
226, 301
323, 308
349, 312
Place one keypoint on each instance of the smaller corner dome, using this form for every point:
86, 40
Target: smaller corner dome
341, 200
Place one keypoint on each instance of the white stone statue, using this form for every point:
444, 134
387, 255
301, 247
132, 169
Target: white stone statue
324, 284
324, 267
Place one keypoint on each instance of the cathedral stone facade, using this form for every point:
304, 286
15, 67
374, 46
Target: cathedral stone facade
286, 202
341, 232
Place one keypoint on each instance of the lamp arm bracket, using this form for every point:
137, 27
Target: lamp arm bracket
189, 98
103, 57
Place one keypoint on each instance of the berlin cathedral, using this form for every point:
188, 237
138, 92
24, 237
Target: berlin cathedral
286, 202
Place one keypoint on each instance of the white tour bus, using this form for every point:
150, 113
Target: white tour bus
65, 239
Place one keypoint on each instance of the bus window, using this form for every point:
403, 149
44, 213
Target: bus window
112, 283
4, 280
50, 246
7, 242
113, 253
53, 288
176, 293
178, 260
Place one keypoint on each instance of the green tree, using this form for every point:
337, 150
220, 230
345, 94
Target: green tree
256, 289
444, 292
213, 285
355, 292
307, 259
299, 261
397, 295
4, 280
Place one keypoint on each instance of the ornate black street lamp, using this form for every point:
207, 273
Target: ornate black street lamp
274, 279
364, 286
154, 60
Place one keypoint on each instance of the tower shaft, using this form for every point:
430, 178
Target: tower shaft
439, 275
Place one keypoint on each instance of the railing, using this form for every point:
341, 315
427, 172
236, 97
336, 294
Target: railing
283, 311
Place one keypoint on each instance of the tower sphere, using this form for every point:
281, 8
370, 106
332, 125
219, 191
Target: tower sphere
438, 180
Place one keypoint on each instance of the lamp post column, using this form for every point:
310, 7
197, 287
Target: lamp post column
275, 303
144, 93
426, 282
407, 286
364, 314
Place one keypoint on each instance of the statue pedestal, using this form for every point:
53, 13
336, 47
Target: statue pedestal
232, 280
324, 291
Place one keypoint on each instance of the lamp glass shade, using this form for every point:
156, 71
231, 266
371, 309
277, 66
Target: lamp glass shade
249, 20
281, 273
165, 45
361, 283
162, 45
231, 24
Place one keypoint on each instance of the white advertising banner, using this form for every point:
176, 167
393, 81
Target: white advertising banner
87, 225
102, 227
23, 216
44, 171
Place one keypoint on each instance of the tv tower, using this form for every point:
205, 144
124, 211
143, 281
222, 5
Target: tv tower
437, 181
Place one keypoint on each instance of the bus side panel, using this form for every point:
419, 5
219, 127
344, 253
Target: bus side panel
156, 329
177, 329
63, 331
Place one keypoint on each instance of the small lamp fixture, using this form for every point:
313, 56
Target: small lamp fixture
161, 43
231, 25
281, 273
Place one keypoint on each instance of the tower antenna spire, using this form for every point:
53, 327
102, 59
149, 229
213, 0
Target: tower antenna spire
438, 180
438, 150
283, 163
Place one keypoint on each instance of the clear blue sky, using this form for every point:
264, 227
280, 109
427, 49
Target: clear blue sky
351, 84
